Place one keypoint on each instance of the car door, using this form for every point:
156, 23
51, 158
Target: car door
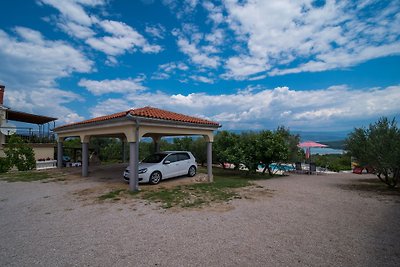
171, 166
184, 163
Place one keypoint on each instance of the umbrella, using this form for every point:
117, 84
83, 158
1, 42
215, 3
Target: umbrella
309, 145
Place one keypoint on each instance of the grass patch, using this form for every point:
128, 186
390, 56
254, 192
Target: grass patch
24, 176
114, 195
202, 194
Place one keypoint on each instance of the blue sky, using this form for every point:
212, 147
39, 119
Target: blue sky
307, 65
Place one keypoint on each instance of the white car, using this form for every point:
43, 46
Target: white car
164, 165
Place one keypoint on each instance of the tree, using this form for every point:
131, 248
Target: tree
295, 153
183, 144
246, 150
271, 147
225, 148
378, 147
198, 148
20, 154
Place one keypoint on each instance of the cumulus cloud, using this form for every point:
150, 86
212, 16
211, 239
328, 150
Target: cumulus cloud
110, 106
113, 86
30, 67
30, 59
111, 37
259, 107
44, 101
300, 36
72, 10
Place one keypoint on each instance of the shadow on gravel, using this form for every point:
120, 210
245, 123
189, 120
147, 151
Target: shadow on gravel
372, 187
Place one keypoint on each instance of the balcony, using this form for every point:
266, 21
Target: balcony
33, 136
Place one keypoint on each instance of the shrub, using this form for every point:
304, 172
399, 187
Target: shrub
4, 165
19, 154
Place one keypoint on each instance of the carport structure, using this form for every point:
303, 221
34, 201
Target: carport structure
131, 126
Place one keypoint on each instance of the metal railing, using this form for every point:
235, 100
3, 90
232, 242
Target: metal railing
33, 136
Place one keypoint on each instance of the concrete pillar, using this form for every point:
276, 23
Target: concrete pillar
60, 154
133, 166
209, 162
85, 159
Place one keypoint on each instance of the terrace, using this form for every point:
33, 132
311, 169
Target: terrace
35, 129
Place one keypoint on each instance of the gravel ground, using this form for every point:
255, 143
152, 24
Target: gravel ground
308, 221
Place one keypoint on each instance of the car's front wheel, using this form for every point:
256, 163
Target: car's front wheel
155, 177
192, 171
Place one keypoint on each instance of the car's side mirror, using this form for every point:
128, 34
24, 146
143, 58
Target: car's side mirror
167, 162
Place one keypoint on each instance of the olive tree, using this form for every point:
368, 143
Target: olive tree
378, 146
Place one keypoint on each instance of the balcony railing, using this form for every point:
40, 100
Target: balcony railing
32, 136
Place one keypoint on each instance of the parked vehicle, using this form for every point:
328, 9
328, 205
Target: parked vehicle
164, 165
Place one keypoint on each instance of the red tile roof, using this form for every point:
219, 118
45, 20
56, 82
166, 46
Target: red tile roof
148, 112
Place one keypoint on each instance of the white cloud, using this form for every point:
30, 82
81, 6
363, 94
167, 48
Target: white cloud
44, 101
30, 67
32, 60
242, 67
113, 38
202, 79
215, 13
181, 8
123, 38
297, 36
197, 56
109, 106
166, 70
113, 86
157, 31
76, 30
336, 107
72, 10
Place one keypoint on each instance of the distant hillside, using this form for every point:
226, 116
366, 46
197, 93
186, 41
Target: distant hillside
335, 144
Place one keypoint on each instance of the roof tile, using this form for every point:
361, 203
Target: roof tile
148, 112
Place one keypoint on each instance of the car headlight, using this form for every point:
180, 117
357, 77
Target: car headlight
142, 170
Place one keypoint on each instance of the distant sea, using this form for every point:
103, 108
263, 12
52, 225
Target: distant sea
325, 151
322, 136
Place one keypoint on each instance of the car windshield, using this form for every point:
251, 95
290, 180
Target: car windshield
155, 158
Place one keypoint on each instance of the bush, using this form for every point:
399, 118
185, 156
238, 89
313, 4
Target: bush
334, 162
19, 154
4, 165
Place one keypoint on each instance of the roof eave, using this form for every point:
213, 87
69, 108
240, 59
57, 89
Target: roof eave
133, 118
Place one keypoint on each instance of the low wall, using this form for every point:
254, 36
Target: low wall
43, 151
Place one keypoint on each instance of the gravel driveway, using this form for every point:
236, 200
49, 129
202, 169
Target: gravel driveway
308, 221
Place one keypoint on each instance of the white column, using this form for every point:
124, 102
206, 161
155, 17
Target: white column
133, 166
60, 154
209, 162
85, 159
